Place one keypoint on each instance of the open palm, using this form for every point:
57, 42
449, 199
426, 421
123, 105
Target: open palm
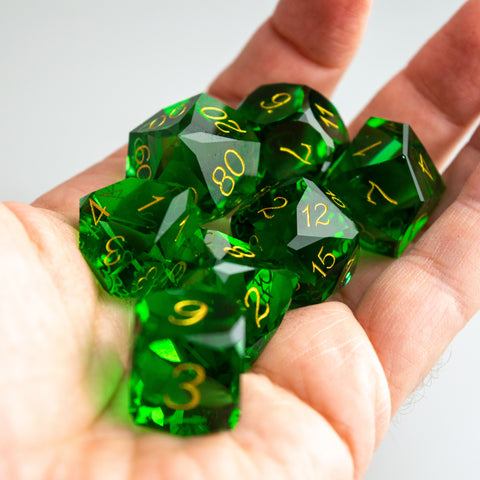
321, 396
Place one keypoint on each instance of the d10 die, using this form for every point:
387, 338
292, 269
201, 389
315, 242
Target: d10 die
299, 128
202, 144
187, 361
390, 184
305, 229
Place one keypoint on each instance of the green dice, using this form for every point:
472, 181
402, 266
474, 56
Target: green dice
228, 218
306, 229
130, 228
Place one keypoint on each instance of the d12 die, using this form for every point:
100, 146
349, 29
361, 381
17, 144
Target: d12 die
389, 182
202, 144
305, 229
187, 361
299, 128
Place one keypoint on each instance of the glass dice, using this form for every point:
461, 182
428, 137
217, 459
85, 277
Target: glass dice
187, 361
306, 229
228, 218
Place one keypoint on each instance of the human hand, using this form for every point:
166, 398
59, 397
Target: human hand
321, 413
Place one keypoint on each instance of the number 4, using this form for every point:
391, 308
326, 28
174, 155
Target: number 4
103, 211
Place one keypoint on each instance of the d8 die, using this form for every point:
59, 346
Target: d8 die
390, 184
263, 290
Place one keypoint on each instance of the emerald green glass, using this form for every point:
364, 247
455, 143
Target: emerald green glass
129, 229
305, 229
228, 218
200, 143
187, 361
390, 184
262, 289
300, 130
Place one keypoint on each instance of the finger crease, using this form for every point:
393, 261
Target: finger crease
426, 93
440, 273
298, 48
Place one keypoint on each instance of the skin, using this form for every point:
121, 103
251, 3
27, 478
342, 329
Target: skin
320, 398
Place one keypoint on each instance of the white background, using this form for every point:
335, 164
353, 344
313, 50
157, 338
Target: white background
75, 77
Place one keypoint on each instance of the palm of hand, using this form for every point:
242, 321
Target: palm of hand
320, 397
70, 343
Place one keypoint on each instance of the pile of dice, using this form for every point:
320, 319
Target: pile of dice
227, 218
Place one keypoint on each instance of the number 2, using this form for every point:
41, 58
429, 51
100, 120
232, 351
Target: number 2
278, 207
258, 317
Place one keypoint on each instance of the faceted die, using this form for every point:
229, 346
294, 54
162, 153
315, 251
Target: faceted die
128, 229
200, 143
389, 182
300, 130
307, 230
187, 361
263, 290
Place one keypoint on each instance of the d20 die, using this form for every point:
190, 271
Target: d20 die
128, 229
299, 128
187, 361
307, 230
200, 143
390, 184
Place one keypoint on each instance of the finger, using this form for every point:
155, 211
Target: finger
458, 173
438, 93
416, 307
65, 198
323, 356
305, 41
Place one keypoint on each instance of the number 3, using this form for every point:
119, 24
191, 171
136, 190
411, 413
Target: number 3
107, 260
190, 387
